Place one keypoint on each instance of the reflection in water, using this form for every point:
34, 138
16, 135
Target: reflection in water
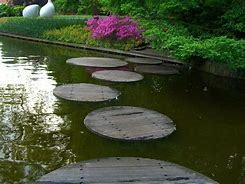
39, 133
29, 128
242, 177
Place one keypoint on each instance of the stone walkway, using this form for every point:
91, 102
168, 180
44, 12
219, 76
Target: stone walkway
124, 170
122, 123
84, 92
117, 76
129, 123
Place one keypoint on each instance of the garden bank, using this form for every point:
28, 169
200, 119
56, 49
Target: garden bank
208, 66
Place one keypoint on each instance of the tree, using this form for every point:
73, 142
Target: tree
27, 2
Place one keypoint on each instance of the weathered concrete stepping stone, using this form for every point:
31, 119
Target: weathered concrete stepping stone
147, 61
117, 76
84, 92
129, 123
153, 69
125, 170
97, 62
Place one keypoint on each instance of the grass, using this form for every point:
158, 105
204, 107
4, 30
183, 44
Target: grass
35, 27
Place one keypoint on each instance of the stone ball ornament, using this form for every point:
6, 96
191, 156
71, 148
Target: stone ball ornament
47, 10
31, 11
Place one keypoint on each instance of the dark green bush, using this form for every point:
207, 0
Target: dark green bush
89, 7
10, 11
66, 6
184, 46
6, 10
234, 18
17, 10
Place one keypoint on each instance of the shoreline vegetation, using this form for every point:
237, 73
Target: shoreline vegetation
195, 32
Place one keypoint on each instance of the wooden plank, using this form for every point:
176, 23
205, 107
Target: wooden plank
117, 76
118, 170
129, 123
84, 92
153, 69
147, 61
97, 62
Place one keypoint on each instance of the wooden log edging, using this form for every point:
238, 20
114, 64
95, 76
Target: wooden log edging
99, 49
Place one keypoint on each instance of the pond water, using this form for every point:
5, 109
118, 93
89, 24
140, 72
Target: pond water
40, 133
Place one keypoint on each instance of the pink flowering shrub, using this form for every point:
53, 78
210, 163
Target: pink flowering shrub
114, 27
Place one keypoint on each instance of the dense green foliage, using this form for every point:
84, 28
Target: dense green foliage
82, 35
10, 11
66, 6
208, 15
5, 10
81, 6
181, 43
192, 30
35, 27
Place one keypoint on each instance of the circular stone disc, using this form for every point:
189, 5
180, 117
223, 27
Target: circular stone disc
129, 123
85, 92
162, 70
97, 62
125, 170
117, 76
144, 61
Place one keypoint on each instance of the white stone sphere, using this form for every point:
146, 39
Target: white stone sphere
31, 11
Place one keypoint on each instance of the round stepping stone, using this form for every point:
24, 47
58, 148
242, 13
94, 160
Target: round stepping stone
97, 62
118, 170
161, 70
117, 76
129, 123
147, 61
84, 92
91, 70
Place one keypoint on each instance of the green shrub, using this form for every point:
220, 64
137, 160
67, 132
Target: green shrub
10, 11
6, 10
82, 35
72, 34
93, 7
88, 7
66, 6
178, 40
34, 27
234, 18
17, 10
223, 49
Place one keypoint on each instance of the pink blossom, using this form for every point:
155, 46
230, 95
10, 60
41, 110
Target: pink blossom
114, 27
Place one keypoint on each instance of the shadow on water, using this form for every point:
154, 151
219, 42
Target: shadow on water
39, 133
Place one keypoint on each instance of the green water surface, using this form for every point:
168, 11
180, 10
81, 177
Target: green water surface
40, 133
